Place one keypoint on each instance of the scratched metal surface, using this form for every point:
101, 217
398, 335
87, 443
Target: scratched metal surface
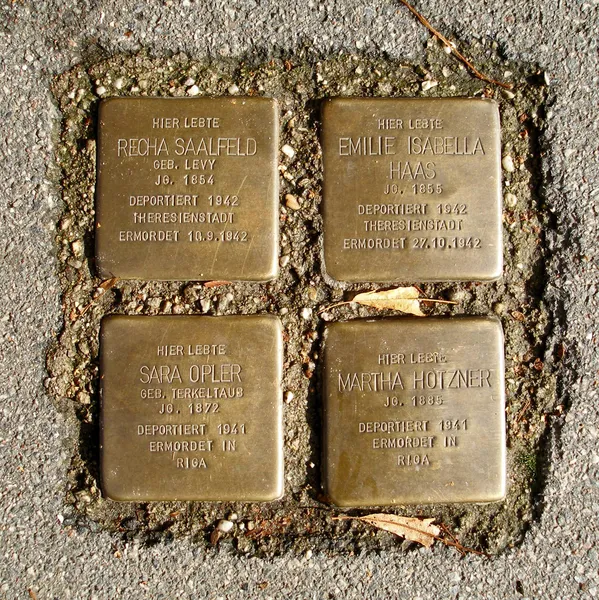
436, 159
414, 411
192, 408
188, 189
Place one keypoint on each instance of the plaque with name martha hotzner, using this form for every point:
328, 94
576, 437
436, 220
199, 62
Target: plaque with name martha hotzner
187, 189
191, 408
414, 411
412, 189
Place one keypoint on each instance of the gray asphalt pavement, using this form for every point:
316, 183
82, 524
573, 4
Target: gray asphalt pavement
39, 39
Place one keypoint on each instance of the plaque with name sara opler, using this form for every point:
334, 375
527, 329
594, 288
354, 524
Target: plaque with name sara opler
187, 189
411, 189
191, 408
414, 411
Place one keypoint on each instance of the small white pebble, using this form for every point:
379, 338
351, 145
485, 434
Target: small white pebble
291, 202
205, 304
446, 71
100, 90
194, 90
287, 150
428, 84
189, 81
359, 70
284, 311
306, 313
288, 396
284, 260
233, 517
447, 49
119, 83
308, 554
233, 89
511, 200
508, 94
77, 247
224, 526
507, 162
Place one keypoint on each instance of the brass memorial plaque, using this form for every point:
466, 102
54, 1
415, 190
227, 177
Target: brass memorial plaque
187, 189
191, 408
412, 189
414, 411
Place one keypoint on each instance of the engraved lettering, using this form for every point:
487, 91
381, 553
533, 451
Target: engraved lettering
392, 359
392, 209
411, 171
425, 123
392, 426
164, 429
456, 379
372, 382
374, 243
223, 373
403, 442
390, 123
181, 446
132, 147
367, 146
231, 146
455, 146
191, 463
159, 374
413, 460
188, 123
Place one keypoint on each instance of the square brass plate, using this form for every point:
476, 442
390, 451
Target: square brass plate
187, 189
414, 411
191, 408
412, 189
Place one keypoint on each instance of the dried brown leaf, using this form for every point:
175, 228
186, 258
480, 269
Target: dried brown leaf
404, 299
421, 531
519, 316
108, 283
215, 537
